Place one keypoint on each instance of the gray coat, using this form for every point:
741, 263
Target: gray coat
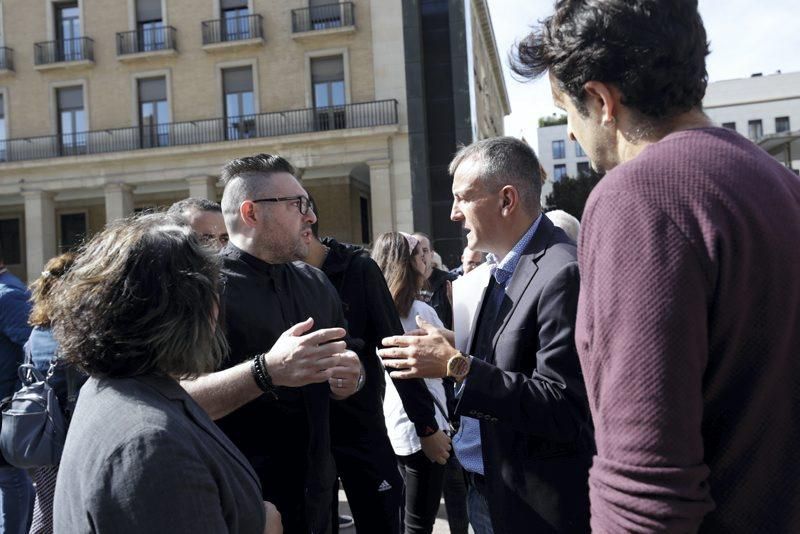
142, 456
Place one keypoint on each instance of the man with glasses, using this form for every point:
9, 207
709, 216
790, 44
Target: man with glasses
205, 219
284, 324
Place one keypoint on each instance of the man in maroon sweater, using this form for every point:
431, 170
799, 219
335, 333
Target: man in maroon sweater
689, 314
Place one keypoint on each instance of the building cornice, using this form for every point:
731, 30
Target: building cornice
484, 17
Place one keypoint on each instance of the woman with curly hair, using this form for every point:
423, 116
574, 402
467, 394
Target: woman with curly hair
138, 311
42, 351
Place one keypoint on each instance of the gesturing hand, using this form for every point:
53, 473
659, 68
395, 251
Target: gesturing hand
422, 355
297, 359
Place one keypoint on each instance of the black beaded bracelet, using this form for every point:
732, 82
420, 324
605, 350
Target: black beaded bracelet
261, 376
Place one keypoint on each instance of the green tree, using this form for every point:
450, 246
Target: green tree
570, 194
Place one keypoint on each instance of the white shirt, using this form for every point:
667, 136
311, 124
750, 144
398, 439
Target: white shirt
401, 430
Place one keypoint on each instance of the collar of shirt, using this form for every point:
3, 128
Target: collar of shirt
270, 269
504, 269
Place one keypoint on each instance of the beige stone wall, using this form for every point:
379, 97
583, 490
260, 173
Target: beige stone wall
194, 80
489, 88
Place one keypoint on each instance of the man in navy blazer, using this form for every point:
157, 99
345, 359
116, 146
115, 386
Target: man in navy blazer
526, 437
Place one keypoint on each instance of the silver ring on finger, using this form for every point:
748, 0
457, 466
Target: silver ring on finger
339, 383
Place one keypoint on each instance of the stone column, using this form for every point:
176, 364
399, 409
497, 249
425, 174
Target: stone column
381, 203
119, 201
203, 187
40, 230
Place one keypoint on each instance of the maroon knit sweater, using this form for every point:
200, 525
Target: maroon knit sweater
689, 337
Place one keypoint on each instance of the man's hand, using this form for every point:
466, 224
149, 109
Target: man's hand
423, 355
344, 377
298, 359
436, 447
274, 524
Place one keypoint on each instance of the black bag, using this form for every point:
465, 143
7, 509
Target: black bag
34, 425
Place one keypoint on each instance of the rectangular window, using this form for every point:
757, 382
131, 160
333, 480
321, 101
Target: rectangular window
559, 172
327, 81
235, 20
153, 112
782, 124
579, 153
559, 151
755, 130
3, 149
237, 85
583, 168
71, 120
68, 32
10, 241
729, 125
73, 231
150, 31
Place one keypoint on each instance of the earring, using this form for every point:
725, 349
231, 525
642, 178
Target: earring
609, 122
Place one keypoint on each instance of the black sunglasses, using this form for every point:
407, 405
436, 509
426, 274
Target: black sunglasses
304, 205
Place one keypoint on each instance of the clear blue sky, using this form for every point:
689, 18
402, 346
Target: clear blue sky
746, 36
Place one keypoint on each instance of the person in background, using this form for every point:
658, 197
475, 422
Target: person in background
401, 260
689, 315
42, 350
16, 490
364, 457
470, 260
138, 311
205, 218
436, 291
566, 222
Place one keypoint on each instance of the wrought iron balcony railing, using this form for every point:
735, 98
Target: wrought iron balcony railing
64, 50
151, 39
232, 29
361, 115
6, 58
323, 17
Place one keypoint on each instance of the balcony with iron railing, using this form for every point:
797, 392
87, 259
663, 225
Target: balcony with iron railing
197, 132
63, 53
145, 42
6, 59
329, 18
232, 31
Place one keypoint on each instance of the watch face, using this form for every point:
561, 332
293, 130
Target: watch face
458, 366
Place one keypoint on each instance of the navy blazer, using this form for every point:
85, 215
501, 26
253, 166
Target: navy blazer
536, 430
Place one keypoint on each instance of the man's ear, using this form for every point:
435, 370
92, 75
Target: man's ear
509, 198
604, 98
247, 213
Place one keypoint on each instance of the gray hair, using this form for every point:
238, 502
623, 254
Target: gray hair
180, 207
245, 178
566, 222
505, 161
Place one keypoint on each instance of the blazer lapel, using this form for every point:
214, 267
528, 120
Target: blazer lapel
523, 275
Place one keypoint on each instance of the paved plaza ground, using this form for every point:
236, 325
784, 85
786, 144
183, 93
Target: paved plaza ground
440, 527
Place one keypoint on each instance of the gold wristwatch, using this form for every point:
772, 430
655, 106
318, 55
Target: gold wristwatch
458, 366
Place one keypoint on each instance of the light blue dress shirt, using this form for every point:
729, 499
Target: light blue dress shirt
467, 443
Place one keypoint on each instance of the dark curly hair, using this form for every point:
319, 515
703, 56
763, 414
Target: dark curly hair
141, 298
653, 51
